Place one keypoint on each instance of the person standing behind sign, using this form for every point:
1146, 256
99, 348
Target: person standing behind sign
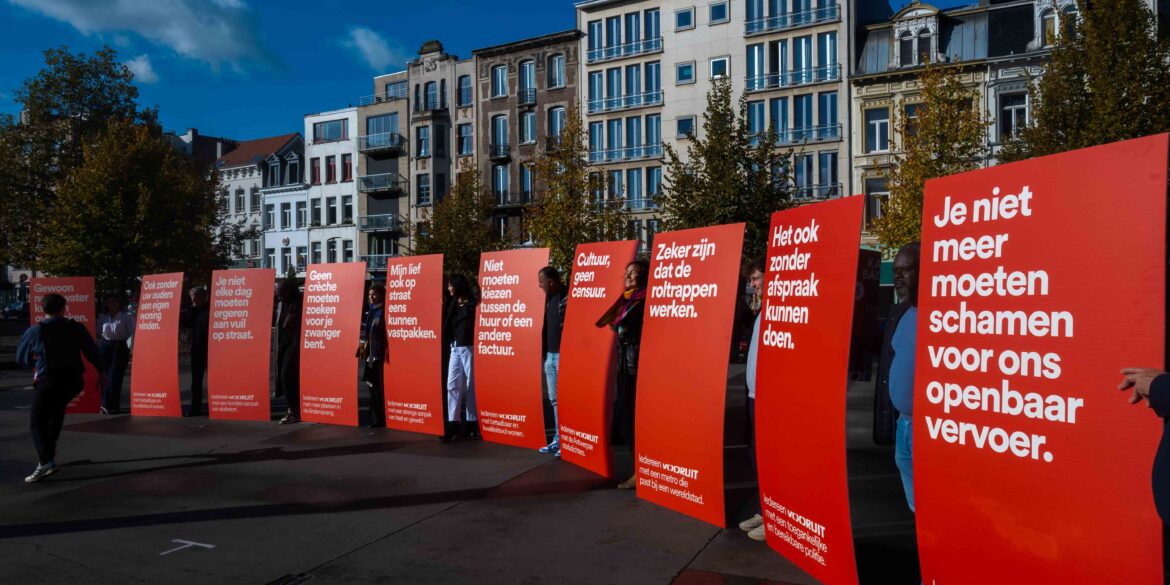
896, 369
373, 355
625, 317
754, 526
55, 347
115, 328
460, 329
288, 350
198, 319
555, 302
1153, 385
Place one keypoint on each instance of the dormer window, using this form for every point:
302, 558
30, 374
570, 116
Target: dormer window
923, 50
1054, 19
293, 176
906, 49
273, 172
1048, 27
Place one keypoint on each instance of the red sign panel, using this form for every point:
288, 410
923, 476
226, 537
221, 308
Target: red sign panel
507, 366
586, 376
154, 369
682, 370
239, 345
414, 322
1040, 280
81, 307
802, 371
331, 331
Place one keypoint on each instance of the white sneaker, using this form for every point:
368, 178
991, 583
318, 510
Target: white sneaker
41, 472
554, 447
750, 523
758, 533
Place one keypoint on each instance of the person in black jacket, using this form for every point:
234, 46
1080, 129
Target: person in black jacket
459, 327
625, 317
556, 299
1153, 386
288, 350
55, 346
374, 355
197, 318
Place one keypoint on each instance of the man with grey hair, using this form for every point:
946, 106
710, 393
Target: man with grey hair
197, 318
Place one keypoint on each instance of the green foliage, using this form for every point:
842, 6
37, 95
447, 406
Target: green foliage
135, 206
725, 177
459, 226
1108, 79
948, 136
566, 212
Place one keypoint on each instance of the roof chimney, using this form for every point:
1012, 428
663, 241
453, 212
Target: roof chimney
218, 149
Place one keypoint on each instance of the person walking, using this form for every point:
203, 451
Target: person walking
55, 347
462, 417
288, 351
555, 301
198, 319
373, 355
625, 318
115, 328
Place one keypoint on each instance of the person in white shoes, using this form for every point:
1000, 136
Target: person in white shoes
754, 526
555, 300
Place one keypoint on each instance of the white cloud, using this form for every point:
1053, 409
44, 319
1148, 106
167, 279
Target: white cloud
373, 49
216, 32
142, 69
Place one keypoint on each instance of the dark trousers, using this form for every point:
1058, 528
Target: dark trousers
754, 506
115, 356
625, 397
377, 394
198, 370
288, 376
54, 390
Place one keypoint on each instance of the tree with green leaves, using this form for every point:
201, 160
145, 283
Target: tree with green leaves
947, 135
459, 225
566, 211
64, 108
136, 206
728, 175
1108, 79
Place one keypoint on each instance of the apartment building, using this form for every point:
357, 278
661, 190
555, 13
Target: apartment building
333, 202
383, 168
526, 89
437, 152
245, 172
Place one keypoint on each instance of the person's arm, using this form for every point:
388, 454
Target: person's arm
1160, 395
24, 349
1150, 384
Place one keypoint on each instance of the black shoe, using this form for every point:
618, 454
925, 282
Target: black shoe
189, 413
377, 424
450, 432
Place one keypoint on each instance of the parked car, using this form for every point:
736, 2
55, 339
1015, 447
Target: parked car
17, 309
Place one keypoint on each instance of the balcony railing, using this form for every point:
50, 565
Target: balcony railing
389, 96
429, 106
640, 203
814, 192
499, 152
382, 182
793, 20
377, 262
387, 222
803, 135
512, 199
628, 153
615, 104
385, 142
526, 97
795, 78
645, 47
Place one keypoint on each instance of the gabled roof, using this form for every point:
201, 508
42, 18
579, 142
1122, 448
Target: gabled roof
250, 152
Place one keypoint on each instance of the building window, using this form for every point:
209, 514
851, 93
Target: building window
431, 90
499, 130
464, 90
719, 67
684, 19
294, 172
240, 201
684, 72
556, 71
440, 141
924, 53
286, 216
315, 212
500, 180
910, 119
686, 127
347, 209
827, 163
526, 183
595, 35
423, 184
906, 49
285, 260
347, 167
528, 128
527, 75
347, 251
331, 131
331, 169
653, 183
718, 13
877, 130
380, 127
300, 258
269, 257
1013, 115
396, 90
315, 170
440, 186
422, 142
556, 121
499, 81
331, 253
466, 145
255, 208
273, 173
315, 253
270, 217
302, 215
1048, 27
331, 210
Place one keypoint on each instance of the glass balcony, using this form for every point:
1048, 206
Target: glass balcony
617, 104
388, 222
512, 199
499, 152
382, 182
790, 136
398, 93
795, 78
526, 97
816, 192
629, 153
603, 54
390, 142
377, 262
782, 22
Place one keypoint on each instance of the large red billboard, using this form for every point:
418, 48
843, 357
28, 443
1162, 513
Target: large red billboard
81, 307
806, 321
239, 344
507, 366
585, 378
682, 370
154, 369
414, 323
1039, 281
331, 331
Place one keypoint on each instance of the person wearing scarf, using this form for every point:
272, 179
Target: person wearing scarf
625, 318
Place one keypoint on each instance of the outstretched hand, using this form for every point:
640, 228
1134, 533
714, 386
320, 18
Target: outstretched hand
1139, 379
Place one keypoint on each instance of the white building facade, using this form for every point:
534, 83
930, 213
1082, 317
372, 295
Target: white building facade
333, 202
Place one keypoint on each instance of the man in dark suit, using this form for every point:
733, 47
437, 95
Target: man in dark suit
198, 319
1153, 386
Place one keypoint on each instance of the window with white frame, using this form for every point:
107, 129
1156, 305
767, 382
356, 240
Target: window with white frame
1013, 115
528, 127
466, 145
499, 81
877, 130
423, 189
464, 90
556, 121
422, 143
556, 71
719, 67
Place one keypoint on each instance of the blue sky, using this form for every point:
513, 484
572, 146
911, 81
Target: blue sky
253, 68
